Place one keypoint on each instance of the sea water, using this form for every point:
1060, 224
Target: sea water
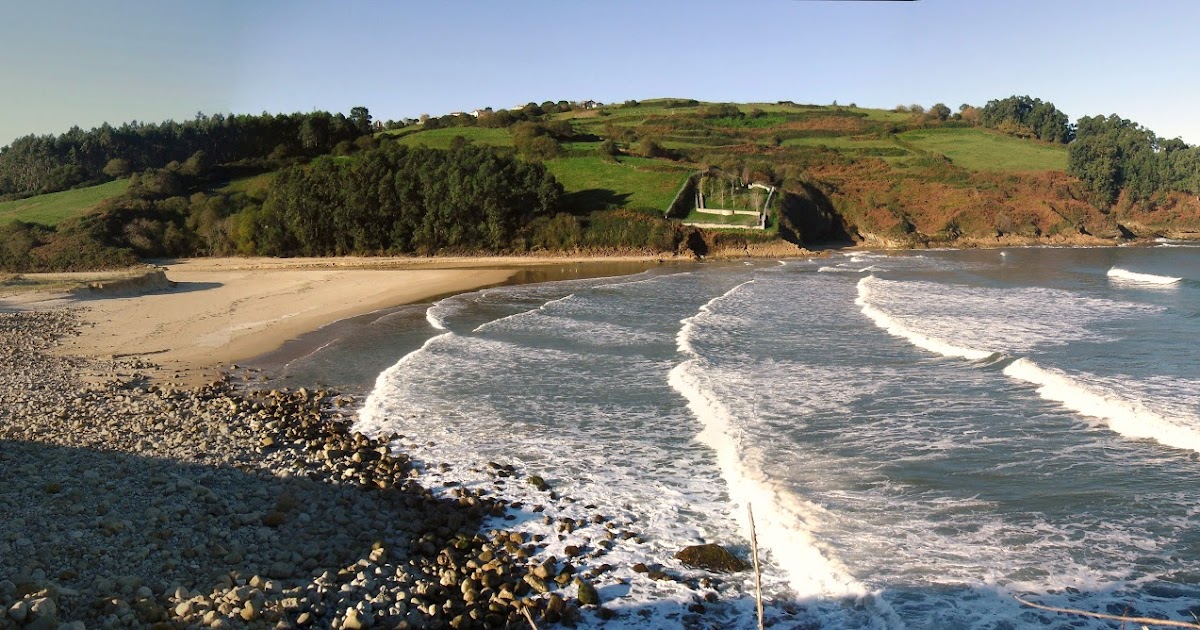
921, 436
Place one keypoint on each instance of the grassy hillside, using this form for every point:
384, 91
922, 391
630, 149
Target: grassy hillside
441, 138
890, 175
594, 183
53, 208
984, 150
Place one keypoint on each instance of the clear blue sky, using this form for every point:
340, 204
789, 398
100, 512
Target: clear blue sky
78, 62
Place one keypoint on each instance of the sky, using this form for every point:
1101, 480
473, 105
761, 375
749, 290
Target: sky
85, 62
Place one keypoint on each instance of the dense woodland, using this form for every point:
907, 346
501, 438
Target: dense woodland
399, 200
41, 164
339, 186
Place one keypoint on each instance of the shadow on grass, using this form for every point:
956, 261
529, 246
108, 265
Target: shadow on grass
593, 199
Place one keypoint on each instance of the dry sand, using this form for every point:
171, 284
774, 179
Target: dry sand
225, 310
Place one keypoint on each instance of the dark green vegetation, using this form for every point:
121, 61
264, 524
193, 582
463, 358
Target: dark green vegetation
399, 200
42, 164
1114, 156
1029, 118
568, 176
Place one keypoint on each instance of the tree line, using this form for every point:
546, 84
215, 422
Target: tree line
41, 164
396, 199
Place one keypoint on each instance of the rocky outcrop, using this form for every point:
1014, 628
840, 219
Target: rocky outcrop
712, 557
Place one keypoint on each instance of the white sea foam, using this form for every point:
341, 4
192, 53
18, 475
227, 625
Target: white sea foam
1118, 274
781, 517
1125, 415
434, 320
974, 323
532, 312
379, 407
896, 329
840, 269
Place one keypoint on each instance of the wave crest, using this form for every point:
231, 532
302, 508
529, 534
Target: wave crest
1119, 274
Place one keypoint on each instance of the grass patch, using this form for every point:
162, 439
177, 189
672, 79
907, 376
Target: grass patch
441, 138
882, 115
734, 220
254, 186
761, 122
53, 208
852, 145
980, 150
594, 183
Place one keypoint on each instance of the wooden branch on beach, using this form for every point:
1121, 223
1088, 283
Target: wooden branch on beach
757, 572
1142, 620
528, 617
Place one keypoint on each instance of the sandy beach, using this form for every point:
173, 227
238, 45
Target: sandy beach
220, 311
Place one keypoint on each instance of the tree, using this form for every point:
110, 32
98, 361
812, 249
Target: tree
196, 166
1016, 114
117, 167
939, 111
360, 118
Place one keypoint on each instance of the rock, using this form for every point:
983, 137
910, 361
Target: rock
536, 584
640, 568
545, 570
42, 609
43, 623
586, 593
712, 557
251, 611
537, 482
19, 611
356, 620
555, 607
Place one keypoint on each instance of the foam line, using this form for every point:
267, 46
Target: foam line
434, 320
1117, 273
372, 417
780, 517
1127, 417
540, 309
896, 329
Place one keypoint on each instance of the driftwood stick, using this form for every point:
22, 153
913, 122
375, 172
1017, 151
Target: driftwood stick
528, 617
757, 572
1149, 621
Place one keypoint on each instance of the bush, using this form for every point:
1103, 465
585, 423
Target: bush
117, 167
608, 149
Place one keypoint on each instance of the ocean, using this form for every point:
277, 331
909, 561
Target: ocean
921, 436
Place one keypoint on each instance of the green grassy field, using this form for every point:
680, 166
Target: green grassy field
593, 183
981, 150
53, 208
440, 138
735, 220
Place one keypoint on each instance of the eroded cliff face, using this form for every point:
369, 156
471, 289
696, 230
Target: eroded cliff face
942, 205
1175, 216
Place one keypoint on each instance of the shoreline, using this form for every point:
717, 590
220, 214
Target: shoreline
138, 505
215, 312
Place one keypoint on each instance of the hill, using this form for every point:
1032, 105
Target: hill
663, 175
